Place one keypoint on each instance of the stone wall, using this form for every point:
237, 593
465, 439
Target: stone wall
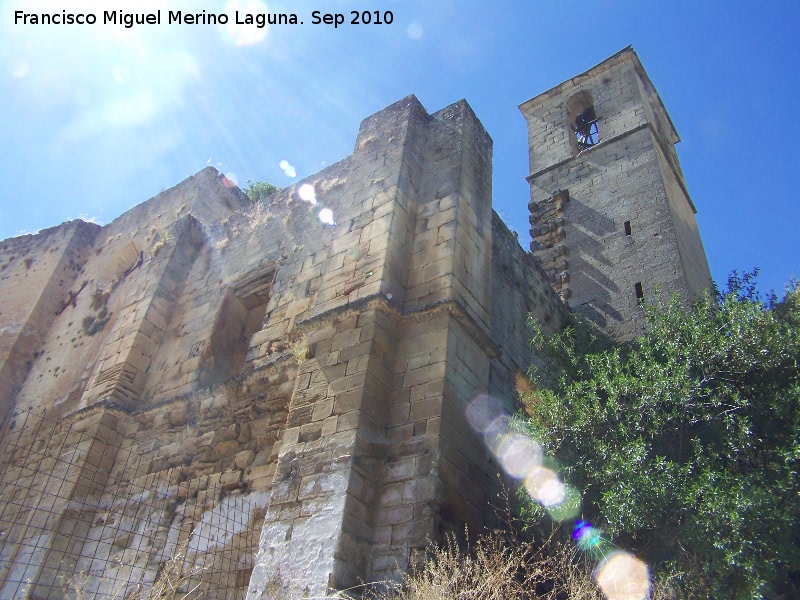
611, 222
280, 400
215, 354
36, 274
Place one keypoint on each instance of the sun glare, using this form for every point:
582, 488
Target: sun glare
107, 76
242, 34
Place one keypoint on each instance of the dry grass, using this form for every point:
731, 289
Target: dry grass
161, 238
498, 567
174, 582
502, 568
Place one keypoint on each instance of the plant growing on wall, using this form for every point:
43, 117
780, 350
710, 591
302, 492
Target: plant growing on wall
258, 190
686, 441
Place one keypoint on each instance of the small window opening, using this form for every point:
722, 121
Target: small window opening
639, 292
627, 227
241, 315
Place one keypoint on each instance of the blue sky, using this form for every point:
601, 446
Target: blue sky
99, 118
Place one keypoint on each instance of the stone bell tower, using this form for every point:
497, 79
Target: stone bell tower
611, 217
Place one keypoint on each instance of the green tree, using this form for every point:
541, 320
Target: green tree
686, 442
258, 190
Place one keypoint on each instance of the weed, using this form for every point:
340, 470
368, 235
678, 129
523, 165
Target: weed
161, 238
174, 581
101, 295
300, 349
499, 567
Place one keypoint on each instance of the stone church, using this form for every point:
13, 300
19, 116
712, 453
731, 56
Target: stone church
272, 395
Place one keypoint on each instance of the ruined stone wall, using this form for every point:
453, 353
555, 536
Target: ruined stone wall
281, 402
103, 500
377, 388
519, 288
119, 299
36, 274
259, 389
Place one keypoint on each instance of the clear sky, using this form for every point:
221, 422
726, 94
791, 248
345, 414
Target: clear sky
98, 118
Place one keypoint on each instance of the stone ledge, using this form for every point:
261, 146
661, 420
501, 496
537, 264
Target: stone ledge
381, 302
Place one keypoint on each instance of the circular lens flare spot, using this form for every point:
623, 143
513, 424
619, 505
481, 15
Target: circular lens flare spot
622, 576
568, 508
19, 68
494, 432
326, 216
545, 487
580, 529
518, 454
307, 193
586, 536
482, 412
287, 168
414, 31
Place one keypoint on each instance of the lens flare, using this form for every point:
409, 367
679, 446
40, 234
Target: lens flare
622, 576
545, 487
568, 508
241, 34
287, 168
518, 454
307, 193
581, 530
482, 412
19, 68
497, 427
326, 216
591, 540
414, 31
229, 180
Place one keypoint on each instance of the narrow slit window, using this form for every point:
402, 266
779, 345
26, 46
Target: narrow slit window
627, 227
639, 292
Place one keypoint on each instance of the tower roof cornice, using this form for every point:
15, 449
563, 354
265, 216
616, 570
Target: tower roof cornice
627, 54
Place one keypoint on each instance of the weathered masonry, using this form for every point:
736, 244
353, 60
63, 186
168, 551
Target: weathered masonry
610, 214
280, 402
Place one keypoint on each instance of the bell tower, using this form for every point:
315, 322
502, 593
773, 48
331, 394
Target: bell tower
611, 217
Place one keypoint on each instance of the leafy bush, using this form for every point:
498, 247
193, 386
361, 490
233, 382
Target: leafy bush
258, 190
686, 442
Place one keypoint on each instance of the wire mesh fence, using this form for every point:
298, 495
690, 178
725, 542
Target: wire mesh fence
84, 514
